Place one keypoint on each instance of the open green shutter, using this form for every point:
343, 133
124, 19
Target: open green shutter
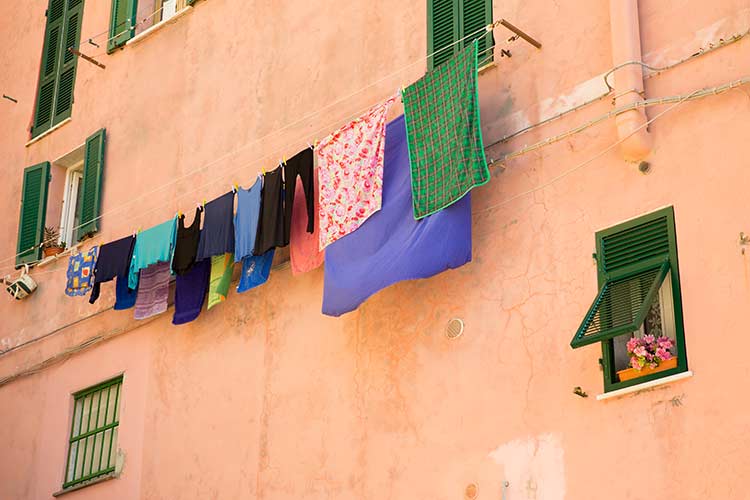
621, 306
475, 16
93, 170
53, 37
122, 22
633, 260
33, 210
442, 30
68, 61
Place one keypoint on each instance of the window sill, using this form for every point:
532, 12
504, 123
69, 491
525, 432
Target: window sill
644, 386
96, 480
486, 67
47, 132
156, 27
52, 258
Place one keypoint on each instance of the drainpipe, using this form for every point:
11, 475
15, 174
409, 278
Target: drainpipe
626, 46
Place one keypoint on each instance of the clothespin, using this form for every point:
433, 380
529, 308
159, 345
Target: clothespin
204, 203
234, 187
179, 214
283, 158
310, 145
263, 169
315, 144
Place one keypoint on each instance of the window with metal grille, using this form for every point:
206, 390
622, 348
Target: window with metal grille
93, 434
449, 21
639, 298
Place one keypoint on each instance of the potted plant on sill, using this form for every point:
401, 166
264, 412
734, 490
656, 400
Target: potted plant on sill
51, 244
648, 355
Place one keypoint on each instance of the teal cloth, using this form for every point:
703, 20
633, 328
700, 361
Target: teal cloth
153, 245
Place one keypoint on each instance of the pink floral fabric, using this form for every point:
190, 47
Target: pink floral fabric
350, 174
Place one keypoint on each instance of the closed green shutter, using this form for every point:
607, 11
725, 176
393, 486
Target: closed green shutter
452, 20
93, 170
68, 61
58, 69
476, 15
53, 37
122, 22
33, 210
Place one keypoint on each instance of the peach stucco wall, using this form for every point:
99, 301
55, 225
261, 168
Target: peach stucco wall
263, 397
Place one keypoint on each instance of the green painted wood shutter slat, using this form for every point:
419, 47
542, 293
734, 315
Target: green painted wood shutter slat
122, 21
68, 62
443, 30
48, 72
93, 171
451, 20
621, 306
475, 15
32, 214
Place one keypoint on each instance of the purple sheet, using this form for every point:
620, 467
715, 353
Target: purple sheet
391, 246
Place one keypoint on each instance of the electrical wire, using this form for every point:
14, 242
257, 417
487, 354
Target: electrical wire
654, 71
590, 160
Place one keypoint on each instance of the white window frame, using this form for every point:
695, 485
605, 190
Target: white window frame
73, 181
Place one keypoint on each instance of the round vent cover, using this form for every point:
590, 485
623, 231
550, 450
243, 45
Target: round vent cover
454, 329
471, 491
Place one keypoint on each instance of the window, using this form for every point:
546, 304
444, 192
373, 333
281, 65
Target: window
58, 69
451, 20
72, 184
639, 295
93, 432
131, 17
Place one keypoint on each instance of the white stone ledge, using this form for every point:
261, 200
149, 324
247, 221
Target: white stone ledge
644, 386
156, 27
47, 132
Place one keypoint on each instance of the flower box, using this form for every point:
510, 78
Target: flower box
632, 373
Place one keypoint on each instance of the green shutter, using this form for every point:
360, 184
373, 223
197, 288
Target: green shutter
58, 69
190, 2
621, 306
68, 61
451, 20
475, 16
633, 260
53, 37
122, 22
442, 30
93, 170
33, 210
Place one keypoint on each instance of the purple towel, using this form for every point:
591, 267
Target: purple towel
391, 246
153, 291
190, 292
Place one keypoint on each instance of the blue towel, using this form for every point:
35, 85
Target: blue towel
255, 270
391, 246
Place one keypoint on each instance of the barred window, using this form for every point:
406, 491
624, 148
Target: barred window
93, 433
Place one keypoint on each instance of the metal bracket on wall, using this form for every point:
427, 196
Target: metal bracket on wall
744, 241
504, 489
518, 32
77, 53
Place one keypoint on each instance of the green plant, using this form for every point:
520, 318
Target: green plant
51, 238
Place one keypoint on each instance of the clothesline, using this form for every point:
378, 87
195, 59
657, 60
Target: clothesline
489, 27
340, 195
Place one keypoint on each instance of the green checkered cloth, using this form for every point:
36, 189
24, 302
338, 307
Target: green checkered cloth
444, 136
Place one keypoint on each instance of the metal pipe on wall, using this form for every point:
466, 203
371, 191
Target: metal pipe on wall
626, 46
